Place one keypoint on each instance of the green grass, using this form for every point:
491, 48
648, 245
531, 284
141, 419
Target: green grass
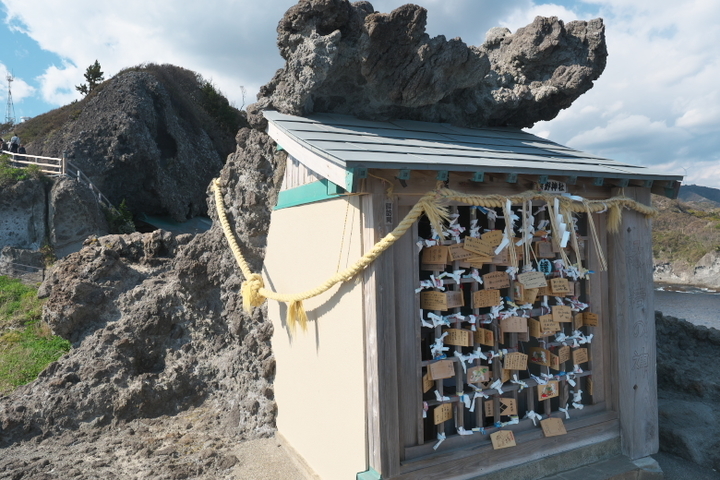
10, 175
27, 345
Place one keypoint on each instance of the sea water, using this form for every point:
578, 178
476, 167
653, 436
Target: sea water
700, 306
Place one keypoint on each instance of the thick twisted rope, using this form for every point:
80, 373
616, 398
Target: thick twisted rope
433, 205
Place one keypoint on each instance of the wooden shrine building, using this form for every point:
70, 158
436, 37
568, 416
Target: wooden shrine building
512, 322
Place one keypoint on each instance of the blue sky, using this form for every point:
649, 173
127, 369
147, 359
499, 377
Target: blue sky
657, 103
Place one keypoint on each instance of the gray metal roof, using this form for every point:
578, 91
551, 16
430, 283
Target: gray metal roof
346, 142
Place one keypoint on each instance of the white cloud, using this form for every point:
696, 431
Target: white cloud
19, 87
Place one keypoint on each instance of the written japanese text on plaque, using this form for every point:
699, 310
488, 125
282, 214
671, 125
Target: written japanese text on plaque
436, 255
479, 246
455, 299
514, 325
483, 336
427, 382
441, 369
433, 301
559, 286
458, 253
564, 354
590, 319
553, 427
502, 439
562, 313
580, 355
515, 361
486, 298
508, 406
548, 324
493, 237
459, 337
496, 280
442, 413
532, 279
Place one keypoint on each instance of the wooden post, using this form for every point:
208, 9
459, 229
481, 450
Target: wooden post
632, 318
380, 340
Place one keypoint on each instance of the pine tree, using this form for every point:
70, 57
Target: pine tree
93, 76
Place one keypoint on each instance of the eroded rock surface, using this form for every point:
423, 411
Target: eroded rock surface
688, 390
23, 215
345, 58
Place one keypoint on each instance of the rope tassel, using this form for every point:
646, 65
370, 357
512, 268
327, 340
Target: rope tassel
296, 314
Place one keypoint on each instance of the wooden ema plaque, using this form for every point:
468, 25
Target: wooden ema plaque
589, 319
539, 356
441, 301
459, 337
580, 355
508, 406
514, 325
548, 324
563, 354
442, 413
537, 331
554, 362
515, 361
559, 286
427, 383
550, 390
479, 247
478, 374
436, 255
502, 439
553, 427
441, 369
562, 314
496, 280
544, 250
493, 237
486, 337
486, 298
532, 279
458, 253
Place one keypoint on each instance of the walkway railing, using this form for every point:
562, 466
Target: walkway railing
25, 273
57, 167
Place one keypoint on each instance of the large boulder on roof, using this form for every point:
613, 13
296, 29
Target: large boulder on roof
346, 58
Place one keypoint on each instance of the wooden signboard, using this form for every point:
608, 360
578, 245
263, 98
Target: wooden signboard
544, 250
442, 413
589, 319
441, 369
502, 439
486, 298
554, 362
486, 337
532, 279
515, 361
459, 337
496, 280
430, 300
479, 247
562, 313
553, 427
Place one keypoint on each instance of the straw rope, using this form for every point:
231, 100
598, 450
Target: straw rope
434, 205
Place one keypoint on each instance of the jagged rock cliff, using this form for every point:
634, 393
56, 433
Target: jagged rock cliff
145, 136
345, 58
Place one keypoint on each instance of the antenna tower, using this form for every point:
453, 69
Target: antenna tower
10, 111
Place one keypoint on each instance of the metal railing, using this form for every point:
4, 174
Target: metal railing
57, 167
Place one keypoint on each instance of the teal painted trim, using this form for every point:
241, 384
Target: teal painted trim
310, 193
369, 474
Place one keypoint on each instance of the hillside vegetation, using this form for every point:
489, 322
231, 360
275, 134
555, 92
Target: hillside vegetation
26, 344
684, 232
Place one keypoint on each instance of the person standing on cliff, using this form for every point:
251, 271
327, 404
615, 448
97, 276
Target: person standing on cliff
22, 150
14, 143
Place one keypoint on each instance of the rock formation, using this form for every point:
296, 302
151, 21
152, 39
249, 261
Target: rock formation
344, 58
145, 136
157, 320
688, 390
23, 219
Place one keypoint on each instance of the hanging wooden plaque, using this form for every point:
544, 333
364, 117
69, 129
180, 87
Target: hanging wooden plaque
562, 313
563, 354
436, 255
580, 355
553, 427
514, 325
532, 279
458, 253
548, 324
442, 413
486, 337
433, 301
559, 286
441, 369
540, 356
459, 337
493, 237
502, 439
496, 280
486, 298
479, 246
515, 361
478, 374
550, 390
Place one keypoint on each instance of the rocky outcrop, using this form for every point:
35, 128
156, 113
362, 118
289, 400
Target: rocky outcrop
705, 273
23, 215
688, 390
145, 137
345, 58
73, 215
157, 324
